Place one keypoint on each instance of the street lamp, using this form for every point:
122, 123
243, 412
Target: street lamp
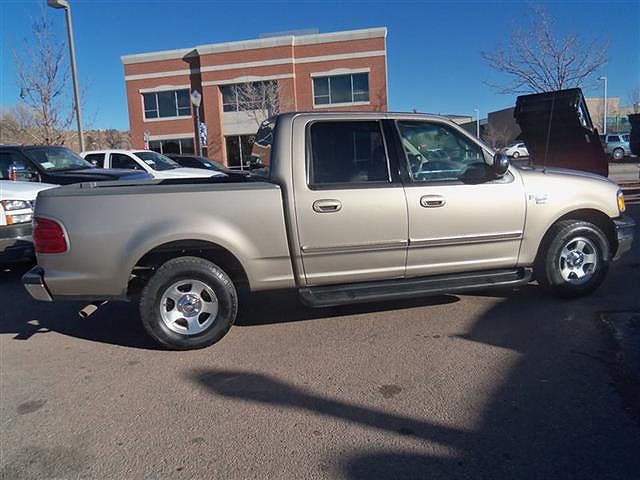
74, 71
604, 116
196, 99
477, 122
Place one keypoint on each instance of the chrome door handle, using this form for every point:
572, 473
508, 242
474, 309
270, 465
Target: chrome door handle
327, 206
432, 201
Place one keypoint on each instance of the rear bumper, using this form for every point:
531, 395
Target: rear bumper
625, 227
15, 242
33, 281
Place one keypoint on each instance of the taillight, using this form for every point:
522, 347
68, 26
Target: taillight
48, 236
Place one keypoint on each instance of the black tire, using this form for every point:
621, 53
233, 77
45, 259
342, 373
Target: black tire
183, 270
552, 262
618, 154
516, 154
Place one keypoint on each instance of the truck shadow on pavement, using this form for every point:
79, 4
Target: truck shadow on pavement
549, 416
23, 317
118, 323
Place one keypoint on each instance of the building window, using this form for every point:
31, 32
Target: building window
341, 89
239, 151
241, 97
178, 145
172, 103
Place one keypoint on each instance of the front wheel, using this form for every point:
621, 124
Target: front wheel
574, 260
188, 303
516, 154
618, 154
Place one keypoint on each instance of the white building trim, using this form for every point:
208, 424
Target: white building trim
340, 71
248, 79
172, 136
164, 88
341, 56
309, 39
260, 63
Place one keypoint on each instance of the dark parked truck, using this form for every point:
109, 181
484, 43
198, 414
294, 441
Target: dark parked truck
558, 131
55, 165
347, 207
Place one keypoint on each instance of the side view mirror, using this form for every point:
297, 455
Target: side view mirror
500, 164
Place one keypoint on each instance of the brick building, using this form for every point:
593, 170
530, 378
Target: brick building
243, 82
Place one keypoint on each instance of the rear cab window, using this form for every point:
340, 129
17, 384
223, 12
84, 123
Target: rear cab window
346, 153
96, 159
262, 149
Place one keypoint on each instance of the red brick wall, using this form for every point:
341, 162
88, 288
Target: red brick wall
296, 93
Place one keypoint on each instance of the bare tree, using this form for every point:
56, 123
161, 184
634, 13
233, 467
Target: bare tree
537, 60
19, 124
43, 78
262, 100
113, 138
498, 136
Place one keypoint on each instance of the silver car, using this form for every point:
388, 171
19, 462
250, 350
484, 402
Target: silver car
516, 151
617, 145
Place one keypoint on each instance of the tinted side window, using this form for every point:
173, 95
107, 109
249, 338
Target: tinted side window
119, 160
613, 138
12, 163
96, 159
347, 152
437, 152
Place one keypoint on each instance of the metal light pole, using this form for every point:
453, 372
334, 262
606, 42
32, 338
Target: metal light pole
196, 98
477, 122
74, 71
604, 115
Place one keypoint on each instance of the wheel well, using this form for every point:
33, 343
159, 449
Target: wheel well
152, 260
596, 217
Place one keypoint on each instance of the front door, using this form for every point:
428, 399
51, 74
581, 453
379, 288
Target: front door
459, 220
351, 211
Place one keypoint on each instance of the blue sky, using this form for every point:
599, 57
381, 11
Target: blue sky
433, 46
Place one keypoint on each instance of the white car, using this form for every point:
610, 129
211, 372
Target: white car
517, 150
154, 163
16, 212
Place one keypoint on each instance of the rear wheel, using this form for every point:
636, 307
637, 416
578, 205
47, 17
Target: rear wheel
188, 303
618, 154
574, 260
516, 154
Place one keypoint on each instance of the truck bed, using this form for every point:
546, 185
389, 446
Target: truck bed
243, 216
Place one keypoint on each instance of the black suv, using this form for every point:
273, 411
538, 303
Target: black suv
56, 165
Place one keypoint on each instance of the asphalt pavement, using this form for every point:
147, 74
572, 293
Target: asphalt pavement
496, 385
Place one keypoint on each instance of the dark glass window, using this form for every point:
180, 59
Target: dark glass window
341, 89
348, 153
171, 103
119, 160
177, 145
12, 166
96, 159
250, 96
155, 145
239, 151
150, 105
437, 152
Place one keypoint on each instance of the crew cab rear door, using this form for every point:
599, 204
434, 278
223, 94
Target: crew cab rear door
350, 206
459, 219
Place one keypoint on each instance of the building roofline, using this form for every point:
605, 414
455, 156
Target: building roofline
305, 39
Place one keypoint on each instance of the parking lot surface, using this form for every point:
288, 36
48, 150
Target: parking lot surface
510, 384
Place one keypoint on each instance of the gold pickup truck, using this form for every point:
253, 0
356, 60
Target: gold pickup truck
346, 207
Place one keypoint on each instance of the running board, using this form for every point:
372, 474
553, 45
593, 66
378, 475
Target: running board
329, 296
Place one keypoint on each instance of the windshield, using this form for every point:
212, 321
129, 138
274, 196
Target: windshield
156, 161
57, 159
